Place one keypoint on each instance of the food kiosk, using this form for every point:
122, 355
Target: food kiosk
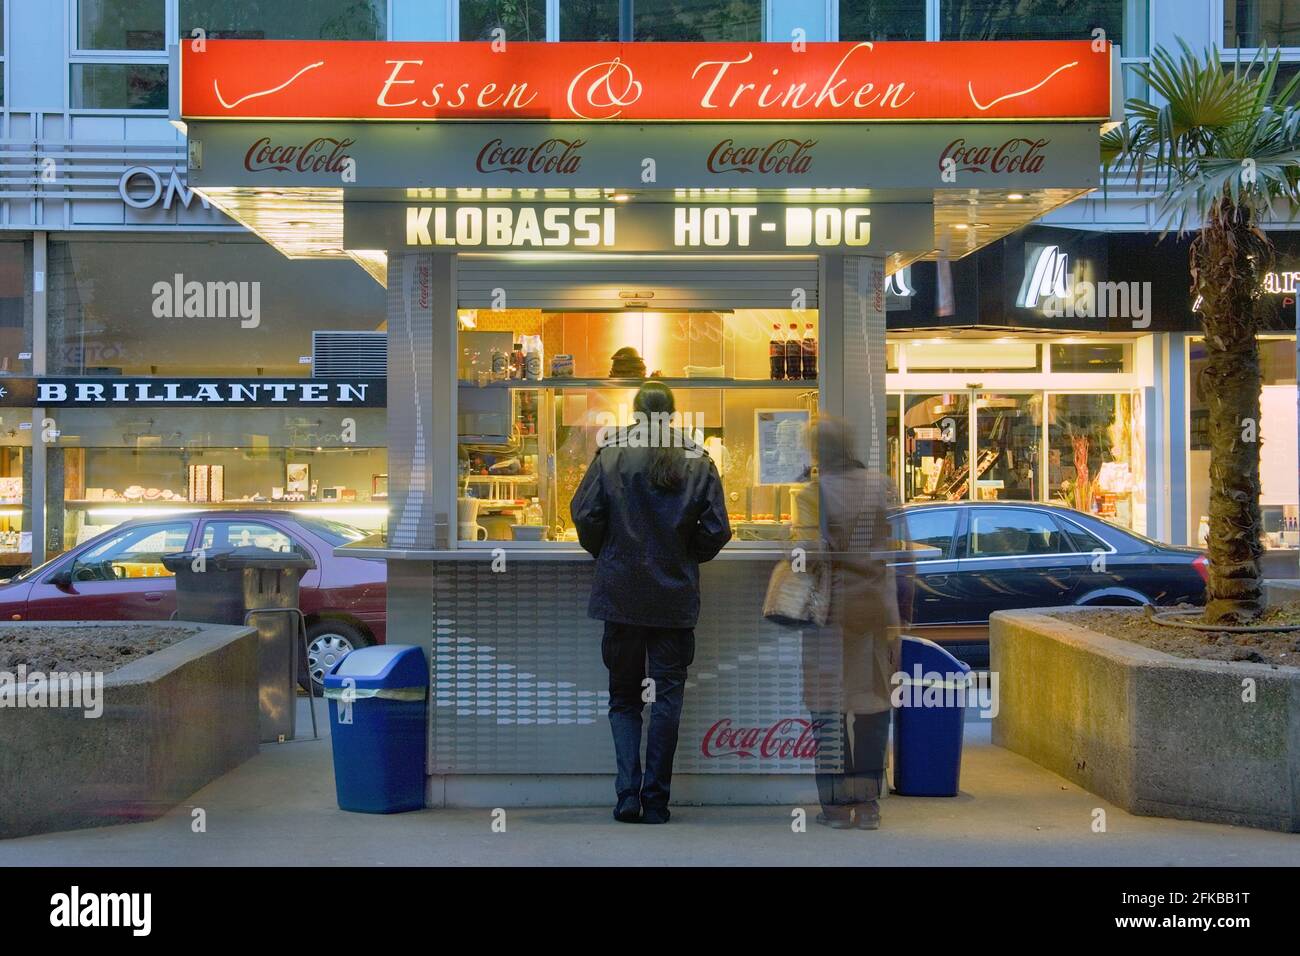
555, 222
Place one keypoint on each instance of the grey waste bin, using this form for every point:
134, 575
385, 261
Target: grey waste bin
222, 587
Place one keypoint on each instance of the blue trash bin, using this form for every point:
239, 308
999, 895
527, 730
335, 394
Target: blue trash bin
928, 727
378, 718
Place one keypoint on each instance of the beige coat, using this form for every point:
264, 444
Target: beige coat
847, 665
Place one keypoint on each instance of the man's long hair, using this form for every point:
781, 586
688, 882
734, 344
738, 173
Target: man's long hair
667, 463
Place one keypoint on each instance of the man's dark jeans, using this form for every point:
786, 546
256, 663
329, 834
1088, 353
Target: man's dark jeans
626, 649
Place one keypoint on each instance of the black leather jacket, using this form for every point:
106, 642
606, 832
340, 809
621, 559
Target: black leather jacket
648, 543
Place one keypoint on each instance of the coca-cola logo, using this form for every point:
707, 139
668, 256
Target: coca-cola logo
791, 738
791, 156
325, 154
560, 157
1014, 156
423, 279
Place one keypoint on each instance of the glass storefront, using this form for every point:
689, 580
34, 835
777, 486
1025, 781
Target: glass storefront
1064, 429
182, 306
1279, 462
112, 465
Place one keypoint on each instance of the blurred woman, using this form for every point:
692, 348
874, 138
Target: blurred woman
848, 665
650, 509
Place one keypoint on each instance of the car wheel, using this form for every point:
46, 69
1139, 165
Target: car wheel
327, 642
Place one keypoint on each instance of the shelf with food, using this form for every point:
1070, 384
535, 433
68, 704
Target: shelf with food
124, 508
808, 384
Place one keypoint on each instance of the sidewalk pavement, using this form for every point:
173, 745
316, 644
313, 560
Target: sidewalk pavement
279, 809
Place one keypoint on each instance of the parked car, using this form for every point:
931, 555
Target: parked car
974, 558
119, 575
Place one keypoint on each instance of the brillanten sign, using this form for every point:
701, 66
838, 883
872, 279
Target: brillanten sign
117, 391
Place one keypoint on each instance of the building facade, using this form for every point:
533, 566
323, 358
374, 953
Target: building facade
1096, 407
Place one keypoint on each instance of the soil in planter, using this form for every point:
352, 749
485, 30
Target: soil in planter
102, 649
1264, 647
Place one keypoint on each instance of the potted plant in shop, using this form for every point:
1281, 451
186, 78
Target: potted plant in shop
1222, 145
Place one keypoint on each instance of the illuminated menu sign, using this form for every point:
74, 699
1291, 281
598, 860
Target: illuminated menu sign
639, 227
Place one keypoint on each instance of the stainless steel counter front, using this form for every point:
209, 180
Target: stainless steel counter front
519, 686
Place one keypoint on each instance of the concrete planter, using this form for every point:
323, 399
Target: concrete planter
171, 722
1155, 734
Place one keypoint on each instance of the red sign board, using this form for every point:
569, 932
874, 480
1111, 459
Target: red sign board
717, 82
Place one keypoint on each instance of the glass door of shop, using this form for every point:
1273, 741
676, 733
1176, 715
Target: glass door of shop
1081, 450
972, 445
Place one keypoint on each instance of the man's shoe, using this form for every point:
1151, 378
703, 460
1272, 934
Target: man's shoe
628, 810
655, 815
868, 815
836, 822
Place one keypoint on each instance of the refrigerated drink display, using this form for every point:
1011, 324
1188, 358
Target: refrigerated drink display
793, 353
809, 352
776, 353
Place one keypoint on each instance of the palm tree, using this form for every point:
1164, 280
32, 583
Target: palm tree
1223, 147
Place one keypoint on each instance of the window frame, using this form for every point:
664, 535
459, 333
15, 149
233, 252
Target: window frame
76, 56
1219, 26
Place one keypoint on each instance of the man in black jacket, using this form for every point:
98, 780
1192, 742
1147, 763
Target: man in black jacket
650, 509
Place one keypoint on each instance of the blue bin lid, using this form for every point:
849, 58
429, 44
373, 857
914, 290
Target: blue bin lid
931, 657
381, 666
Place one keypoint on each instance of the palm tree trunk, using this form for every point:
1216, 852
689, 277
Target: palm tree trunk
1224, 259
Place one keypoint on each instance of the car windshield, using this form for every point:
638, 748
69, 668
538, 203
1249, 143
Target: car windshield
335, 532
29, 572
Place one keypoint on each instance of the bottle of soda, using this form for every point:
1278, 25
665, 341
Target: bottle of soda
776, 353
793, 349
808, 348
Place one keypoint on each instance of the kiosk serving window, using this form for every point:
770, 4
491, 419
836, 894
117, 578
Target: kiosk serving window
537, 387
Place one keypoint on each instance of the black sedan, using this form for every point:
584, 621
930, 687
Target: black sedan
973, 558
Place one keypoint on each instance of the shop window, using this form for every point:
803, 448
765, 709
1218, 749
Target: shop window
15, 489
277, 20
1124, 21
1008, 532
121, 24
1255, 23
1090, 357
15, 308
936, 431
929, 532
224, 535
520, 19
976, 355
115, 464
229, 307
119, 86
1091, 461
135, 553
882, 19
1279, 458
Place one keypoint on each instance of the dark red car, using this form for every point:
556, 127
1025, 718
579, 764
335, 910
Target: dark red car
119, 576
